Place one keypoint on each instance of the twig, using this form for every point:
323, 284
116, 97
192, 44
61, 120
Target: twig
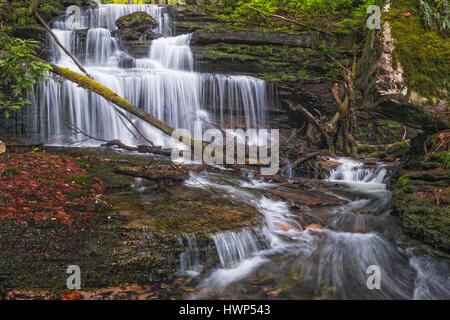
293, 21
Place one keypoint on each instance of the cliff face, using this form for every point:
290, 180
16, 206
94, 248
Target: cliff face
293, 62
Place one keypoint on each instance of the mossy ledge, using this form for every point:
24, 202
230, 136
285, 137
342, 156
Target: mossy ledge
422, 200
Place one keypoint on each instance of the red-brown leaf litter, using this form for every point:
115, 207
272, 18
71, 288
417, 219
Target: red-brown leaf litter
37, 185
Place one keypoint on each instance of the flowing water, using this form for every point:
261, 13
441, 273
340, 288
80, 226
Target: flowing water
329, 263
164, 84
268, 261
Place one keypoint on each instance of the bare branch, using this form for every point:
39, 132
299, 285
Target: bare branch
293, 21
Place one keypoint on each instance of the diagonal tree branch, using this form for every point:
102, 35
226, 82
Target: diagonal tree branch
292, 21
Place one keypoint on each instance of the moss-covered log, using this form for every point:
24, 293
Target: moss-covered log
157, 174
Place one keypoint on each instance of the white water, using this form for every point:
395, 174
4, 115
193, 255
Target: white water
333, 258
163, 84
190, 258
354, 171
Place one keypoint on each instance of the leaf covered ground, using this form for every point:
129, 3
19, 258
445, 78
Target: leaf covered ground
37, 185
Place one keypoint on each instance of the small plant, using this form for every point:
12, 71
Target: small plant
18, 72
435, 14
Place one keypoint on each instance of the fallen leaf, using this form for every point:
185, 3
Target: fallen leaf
313, 226
71, 296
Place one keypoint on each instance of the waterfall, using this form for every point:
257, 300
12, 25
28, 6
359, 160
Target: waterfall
105, 16
236, 247
173, 53
354, 171
190, 258
100, 45
163, 84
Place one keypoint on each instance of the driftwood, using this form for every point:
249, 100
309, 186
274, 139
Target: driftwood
322, 128
292, 21
304, 159
159, 174
140, 148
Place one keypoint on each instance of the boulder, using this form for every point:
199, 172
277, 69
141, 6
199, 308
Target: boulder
137, 26
139, 21
421, 199
135, 33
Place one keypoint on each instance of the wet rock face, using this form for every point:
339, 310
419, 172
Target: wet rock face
190, 18
135, 238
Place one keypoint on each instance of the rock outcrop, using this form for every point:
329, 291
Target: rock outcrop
135, 32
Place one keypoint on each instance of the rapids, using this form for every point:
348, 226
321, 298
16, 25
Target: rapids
328, 263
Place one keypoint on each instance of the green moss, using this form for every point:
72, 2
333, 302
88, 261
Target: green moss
423, 54
402, 181
277, 62
76, 194
13, 171
414, 200
81, 179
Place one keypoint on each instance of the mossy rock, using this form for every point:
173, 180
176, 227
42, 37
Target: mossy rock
139, 21
137, 26
422, 200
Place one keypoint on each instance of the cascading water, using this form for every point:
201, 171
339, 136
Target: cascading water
190, 258
163, 84
332, 261
235, 247
303, 262
354, 171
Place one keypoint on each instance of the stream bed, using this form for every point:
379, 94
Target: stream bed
282, 260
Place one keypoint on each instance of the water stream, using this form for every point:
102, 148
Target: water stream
290, 263
329, 263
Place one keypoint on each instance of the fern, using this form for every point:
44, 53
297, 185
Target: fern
435, 14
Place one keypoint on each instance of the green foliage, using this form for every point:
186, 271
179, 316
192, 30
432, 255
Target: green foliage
435, 14
423, 53
18, 73
330, 14
18, 13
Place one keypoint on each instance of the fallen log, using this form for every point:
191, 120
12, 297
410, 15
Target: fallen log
47, 28
304, 159
140, 148
160, 174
